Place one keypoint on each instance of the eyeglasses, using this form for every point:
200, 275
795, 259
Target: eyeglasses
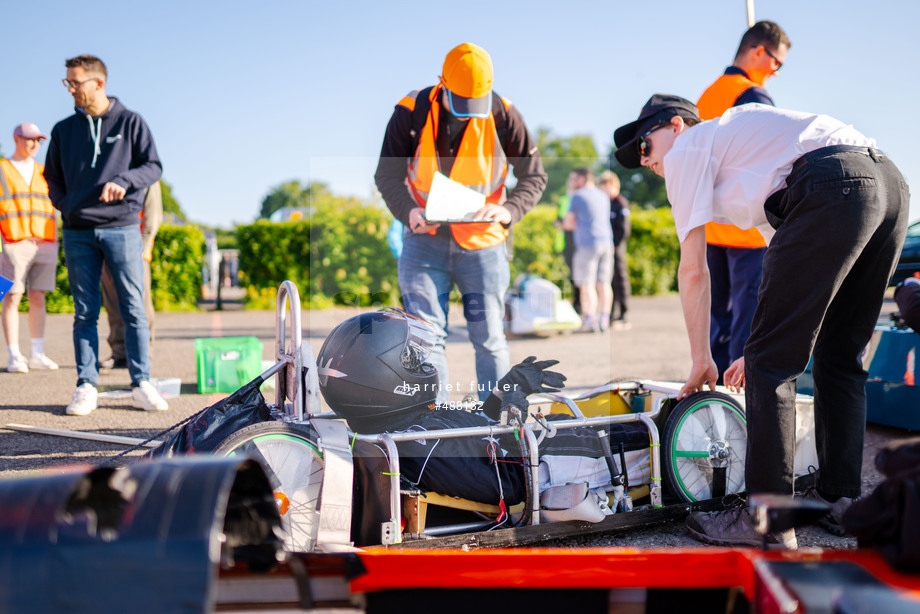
644, 145
75, 84
774, 58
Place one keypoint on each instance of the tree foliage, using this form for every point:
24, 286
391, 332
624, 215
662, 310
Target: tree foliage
639, 186
561, 155
226, 238
170, 204
292, 194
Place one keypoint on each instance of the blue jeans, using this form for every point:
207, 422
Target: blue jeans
734, 274
428, 268
121, 248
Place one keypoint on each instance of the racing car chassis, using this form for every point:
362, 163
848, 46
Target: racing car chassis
311, 456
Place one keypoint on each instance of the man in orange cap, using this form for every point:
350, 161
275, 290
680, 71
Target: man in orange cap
462, 129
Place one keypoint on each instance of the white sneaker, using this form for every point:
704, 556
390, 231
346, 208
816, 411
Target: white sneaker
18, 365
41, 362
148, 398
85, 400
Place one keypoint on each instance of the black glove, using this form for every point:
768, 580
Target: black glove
531, 377
519, 400
528, 377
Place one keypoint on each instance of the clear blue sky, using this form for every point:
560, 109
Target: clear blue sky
242, 96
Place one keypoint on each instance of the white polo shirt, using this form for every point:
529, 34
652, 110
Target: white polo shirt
724, 169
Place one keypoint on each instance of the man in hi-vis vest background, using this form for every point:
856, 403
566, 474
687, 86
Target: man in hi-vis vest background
30, 246
464, 130
735, 256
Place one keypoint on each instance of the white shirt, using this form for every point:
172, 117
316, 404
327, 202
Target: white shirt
724, 169
25, 168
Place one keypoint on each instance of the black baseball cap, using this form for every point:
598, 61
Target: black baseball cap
659, 108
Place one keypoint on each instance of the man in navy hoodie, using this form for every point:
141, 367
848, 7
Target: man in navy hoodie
100, 161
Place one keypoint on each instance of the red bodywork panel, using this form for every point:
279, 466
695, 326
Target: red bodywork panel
598, 568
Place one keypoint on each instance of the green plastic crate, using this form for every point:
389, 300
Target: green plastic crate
226, 363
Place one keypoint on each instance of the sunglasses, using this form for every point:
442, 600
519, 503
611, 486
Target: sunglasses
643, 144
774, 58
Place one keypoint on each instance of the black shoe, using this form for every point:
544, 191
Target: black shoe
114, 363
830, 522
735, 527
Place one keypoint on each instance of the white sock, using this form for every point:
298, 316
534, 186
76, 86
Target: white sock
38, 347
14, 351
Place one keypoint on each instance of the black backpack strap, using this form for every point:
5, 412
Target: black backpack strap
420, 114
501, 119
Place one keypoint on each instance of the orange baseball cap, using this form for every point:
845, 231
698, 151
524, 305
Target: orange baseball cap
467, 75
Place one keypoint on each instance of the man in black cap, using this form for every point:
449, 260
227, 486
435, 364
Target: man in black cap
833, 210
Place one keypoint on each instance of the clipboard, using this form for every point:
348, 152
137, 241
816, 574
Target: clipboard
5, 285
450, 202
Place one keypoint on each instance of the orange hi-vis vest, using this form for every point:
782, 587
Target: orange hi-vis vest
25, 210
480, 164
718, 98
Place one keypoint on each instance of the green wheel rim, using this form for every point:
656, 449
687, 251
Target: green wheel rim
684, 454
285, 453
270, 436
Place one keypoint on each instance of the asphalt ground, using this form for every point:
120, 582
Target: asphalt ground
655, 347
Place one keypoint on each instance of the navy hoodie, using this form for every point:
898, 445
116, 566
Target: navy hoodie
78, 165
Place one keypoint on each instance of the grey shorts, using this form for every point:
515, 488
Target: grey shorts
31, 263
592, 265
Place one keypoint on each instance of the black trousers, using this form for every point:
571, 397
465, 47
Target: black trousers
840, 224
622, 289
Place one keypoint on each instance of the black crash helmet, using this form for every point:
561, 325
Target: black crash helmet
373, 367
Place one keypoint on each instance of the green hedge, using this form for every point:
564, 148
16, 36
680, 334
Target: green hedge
59, 301
350, 260
270, 254
653, 251
175, 273
340, 255
534, 238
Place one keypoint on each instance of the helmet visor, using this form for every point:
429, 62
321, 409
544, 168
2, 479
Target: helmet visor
420, 339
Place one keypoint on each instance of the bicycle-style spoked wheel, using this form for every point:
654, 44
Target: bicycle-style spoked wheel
704, 447
295, 469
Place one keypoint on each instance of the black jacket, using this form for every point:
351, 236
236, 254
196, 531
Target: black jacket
75, 172
619, 219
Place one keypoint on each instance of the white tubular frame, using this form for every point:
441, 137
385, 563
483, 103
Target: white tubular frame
289, 303
288, 296
389, 440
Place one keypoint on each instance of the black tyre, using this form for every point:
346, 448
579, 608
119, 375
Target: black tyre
704, 447
289, 454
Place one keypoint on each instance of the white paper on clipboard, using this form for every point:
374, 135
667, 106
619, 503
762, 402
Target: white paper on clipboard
449, 201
